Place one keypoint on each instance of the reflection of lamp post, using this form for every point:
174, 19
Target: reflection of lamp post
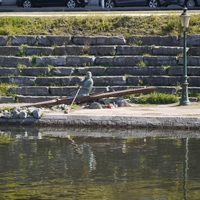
185, 18
185, 174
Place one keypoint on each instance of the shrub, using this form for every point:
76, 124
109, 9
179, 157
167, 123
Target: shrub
156, 98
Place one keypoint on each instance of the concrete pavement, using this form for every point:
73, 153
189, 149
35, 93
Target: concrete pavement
170, 116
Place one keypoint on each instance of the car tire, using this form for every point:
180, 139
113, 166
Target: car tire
109, 4
27, 4
71, 4
154, 3
190, 3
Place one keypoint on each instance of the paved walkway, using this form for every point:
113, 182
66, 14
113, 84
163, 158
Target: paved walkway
169, 110
172, 110
137, 116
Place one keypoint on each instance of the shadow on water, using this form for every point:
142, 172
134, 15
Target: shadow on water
69, 163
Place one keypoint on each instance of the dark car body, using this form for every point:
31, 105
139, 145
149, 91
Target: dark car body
51, 3
188, 3
128, 3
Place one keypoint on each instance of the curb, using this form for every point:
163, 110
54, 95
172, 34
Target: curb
127, 122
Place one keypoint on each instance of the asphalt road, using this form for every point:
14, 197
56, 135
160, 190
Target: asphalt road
94, 10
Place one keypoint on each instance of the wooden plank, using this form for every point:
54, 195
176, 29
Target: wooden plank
93, 97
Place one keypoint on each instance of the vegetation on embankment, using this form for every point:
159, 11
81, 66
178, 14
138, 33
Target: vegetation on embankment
97, 25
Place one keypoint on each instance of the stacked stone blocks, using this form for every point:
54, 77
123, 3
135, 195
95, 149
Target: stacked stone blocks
43, 67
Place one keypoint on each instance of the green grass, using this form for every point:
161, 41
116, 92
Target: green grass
4, 89
156, 98
97, 25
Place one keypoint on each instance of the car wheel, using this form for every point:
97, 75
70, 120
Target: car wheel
154, 3
191, 3
71, 4
109, 4
27, 4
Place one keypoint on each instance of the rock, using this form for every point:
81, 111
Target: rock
23, 114
7, 114
95, 105
37, 114
122, 102
15, 114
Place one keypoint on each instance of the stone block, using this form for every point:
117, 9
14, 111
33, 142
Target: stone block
154, 80
62, 91
51, 40
167, 89
101, 50
68, 50
94, 70
133, 50
42, 51
175, 71
194, 89
167, 51
80, 60
19, 40
33, 99
192, 40
22, 80
59, 81
109, 80
161, 80
160, 60
4, 79
104, 60
9, 71
127, 60
4, 99
30, 90
133, 80
194, 51
10, 51
193, 81
34, 71
191, 60
100, 40
135, 71
62, 71
51, 60
12, 61
153, 40
191, 71
3, 40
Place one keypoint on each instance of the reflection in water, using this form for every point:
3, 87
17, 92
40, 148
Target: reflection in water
35, 165
185, 169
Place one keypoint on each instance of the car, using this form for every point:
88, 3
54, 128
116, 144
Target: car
0, 2
41, 3
188, 3
127, 3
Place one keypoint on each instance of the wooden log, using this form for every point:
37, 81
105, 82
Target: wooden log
93, 97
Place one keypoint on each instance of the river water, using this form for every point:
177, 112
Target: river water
84, 164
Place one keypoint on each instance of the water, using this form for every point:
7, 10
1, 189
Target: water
124, 165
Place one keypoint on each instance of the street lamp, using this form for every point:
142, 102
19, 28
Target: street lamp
185, 18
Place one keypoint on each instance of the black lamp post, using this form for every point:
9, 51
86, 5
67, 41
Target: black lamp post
185, 18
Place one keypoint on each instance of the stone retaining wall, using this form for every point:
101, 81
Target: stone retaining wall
48, 66
63, 120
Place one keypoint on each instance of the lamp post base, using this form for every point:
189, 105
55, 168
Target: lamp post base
184, 99
184, 102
